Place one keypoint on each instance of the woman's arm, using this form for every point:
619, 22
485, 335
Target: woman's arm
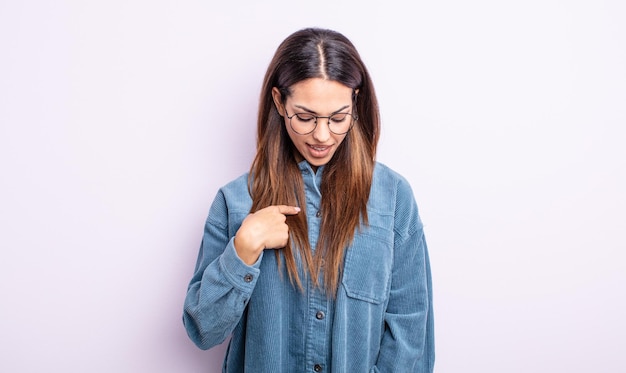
226, 272
221, 285
408, 341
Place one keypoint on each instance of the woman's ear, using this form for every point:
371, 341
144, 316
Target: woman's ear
276, 96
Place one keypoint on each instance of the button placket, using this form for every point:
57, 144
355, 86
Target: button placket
317, 333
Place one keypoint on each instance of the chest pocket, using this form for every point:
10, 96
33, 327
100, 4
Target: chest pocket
369, 260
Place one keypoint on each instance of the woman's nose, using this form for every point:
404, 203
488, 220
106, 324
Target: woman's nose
322, 130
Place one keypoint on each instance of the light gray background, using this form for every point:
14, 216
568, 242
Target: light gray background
119, 120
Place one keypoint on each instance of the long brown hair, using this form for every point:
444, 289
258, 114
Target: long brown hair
275, 177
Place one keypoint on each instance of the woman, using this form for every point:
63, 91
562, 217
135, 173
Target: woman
315, 260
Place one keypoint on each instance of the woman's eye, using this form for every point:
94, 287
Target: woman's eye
305, 117
338, 118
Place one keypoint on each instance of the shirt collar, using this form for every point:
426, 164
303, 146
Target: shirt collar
305, 166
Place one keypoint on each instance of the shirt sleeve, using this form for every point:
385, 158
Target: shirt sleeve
222, 283
408, 340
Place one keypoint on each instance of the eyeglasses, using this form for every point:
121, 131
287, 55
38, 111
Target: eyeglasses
305, 123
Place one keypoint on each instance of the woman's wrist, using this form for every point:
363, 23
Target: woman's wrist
246, 252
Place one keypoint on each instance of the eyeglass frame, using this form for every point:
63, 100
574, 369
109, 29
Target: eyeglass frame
354, 118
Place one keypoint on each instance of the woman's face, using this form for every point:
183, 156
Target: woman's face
319, 97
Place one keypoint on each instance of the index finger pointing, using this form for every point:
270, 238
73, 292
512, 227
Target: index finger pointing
288, 210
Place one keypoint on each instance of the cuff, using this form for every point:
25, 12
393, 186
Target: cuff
240, 275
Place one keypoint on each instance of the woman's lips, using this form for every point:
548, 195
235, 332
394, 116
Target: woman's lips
319, 151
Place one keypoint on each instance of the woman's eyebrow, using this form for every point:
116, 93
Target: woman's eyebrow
314, 112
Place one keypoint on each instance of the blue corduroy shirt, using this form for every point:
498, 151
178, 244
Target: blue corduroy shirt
380, 321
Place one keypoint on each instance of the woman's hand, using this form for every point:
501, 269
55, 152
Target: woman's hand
265, 229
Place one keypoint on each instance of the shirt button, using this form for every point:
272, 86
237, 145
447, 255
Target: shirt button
248, 278
319, 315
317, 368
318, 213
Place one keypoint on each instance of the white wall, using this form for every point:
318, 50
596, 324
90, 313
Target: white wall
120, 119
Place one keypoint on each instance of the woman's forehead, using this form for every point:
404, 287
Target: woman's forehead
320, 93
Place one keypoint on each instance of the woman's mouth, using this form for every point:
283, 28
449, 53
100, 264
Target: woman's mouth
319, 151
